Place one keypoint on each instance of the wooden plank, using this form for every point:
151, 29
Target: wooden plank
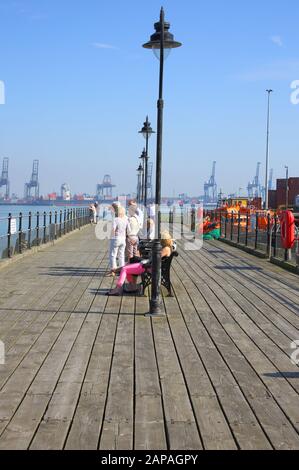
149, 414
20, 430
243, 372
279, 356
204, 400
258, 296
24, 346
249, 434
86, 426
52, 431
118, 424
181, 425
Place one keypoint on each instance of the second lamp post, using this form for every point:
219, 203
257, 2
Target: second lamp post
146, 131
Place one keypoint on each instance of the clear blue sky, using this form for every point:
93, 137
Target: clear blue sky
79, 85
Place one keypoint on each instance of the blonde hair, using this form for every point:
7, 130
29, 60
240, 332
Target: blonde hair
121, 212
166, 239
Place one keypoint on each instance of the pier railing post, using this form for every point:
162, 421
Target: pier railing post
9, 236
247, 227
182, 222
268, 233
20, 232
37, 229
256, 230
55, 221
64, 222
225, 227
45, 228
60, 223
170, 223
193, 220
239, 227
29, 230
231, 226
68, 221
275, 236
220, 222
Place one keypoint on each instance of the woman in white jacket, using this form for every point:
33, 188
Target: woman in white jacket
118, 238
133, 229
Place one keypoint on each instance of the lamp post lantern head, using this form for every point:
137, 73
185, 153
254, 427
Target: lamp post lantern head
146, 131
143, 155
155, 41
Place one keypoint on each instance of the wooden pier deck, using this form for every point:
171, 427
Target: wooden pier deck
84, 371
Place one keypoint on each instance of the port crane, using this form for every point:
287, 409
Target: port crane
104, 190
210, 188
4, 181
254, 187
33, 183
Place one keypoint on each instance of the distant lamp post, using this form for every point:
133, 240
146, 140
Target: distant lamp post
267, 153
139, 182
143, 163
161, 42
287, 187
146, 131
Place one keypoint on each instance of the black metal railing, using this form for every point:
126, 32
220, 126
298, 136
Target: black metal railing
25, 231
259, 231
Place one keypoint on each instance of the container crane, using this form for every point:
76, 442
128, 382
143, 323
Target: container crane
254, 187
4, 181
33, 183
210, 188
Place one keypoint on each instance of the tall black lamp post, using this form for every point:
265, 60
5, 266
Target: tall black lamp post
161, 42
146, 131
139, 182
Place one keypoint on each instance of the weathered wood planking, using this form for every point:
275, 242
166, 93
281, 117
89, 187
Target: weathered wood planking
85, 371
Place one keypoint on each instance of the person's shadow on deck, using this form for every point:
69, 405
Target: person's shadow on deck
281, 375
241, 268
73, 271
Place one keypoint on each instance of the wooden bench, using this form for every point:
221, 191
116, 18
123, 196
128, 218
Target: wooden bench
145, 248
